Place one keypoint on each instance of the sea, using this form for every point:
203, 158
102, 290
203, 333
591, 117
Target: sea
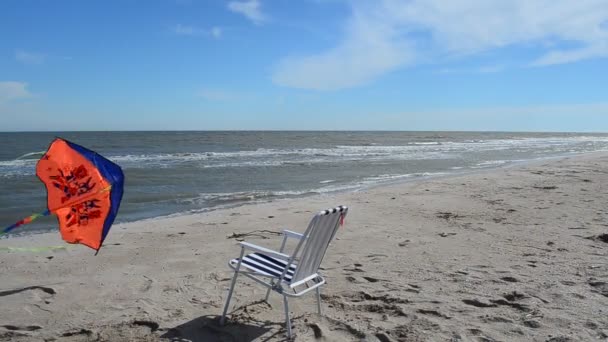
169, 173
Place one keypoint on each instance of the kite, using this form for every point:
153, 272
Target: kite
84, 191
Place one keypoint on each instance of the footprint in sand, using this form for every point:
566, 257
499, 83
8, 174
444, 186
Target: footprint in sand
433, 313
21, 328
509, 279
495, 303
81, 332
48, 290
38, 294
365, 302
147, 284
372, 279
600, 287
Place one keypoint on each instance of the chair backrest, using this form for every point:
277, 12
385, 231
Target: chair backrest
312, 247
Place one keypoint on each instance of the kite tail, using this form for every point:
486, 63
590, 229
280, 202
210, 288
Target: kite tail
48, 212
26, 220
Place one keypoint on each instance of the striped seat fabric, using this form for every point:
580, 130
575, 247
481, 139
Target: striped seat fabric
266, 265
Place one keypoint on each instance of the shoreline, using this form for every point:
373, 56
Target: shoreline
510, 253
405, 180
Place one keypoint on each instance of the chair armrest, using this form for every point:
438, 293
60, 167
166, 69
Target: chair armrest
291, 234
265, 251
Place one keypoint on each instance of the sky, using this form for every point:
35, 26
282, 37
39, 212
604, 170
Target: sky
497, 65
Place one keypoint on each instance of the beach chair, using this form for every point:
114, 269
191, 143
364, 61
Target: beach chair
290, 275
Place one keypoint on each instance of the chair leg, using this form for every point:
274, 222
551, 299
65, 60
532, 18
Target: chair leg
236, 274
223, 319
287, 321
318, 300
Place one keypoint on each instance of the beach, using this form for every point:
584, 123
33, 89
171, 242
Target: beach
509, 254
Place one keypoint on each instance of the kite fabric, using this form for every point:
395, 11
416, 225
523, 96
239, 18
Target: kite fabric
84, 191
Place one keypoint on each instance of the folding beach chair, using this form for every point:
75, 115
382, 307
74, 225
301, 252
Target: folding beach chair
290, 275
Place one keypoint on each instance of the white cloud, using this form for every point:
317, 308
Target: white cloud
29, 57
464, 27
186, 30
248, 8
11, 90
369, 49
383, 35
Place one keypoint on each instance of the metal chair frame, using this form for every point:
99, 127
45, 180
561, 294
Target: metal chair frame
307, 257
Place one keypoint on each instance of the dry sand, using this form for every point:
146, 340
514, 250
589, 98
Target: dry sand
515, 254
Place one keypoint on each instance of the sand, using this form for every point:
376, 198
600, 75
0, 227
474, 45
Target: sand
513, 254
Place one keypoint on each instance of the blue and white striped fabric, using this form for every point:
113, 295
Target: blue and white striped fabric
266, 265
338, 209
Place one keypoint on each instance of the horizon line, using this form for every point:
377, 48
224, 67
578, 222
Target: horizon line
306, 130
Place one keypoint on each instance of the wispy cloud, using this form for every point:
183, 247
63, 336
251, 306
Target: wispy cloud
216, 32
486, 69
217, 94
489, 69
26, 57
596, 50
248, 8
11, 90
186, 30
383, 35
369, 48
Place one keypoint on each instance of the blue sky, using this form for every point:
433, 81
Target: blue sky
524, 65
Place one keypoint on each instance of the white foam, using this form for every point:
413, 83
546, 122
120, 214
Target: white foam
490, 163
422, 150
268, 157
427, 143
18, 163
17, 167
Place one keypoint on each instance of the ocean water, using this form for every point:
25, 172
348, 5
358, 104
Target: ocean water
176, 172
